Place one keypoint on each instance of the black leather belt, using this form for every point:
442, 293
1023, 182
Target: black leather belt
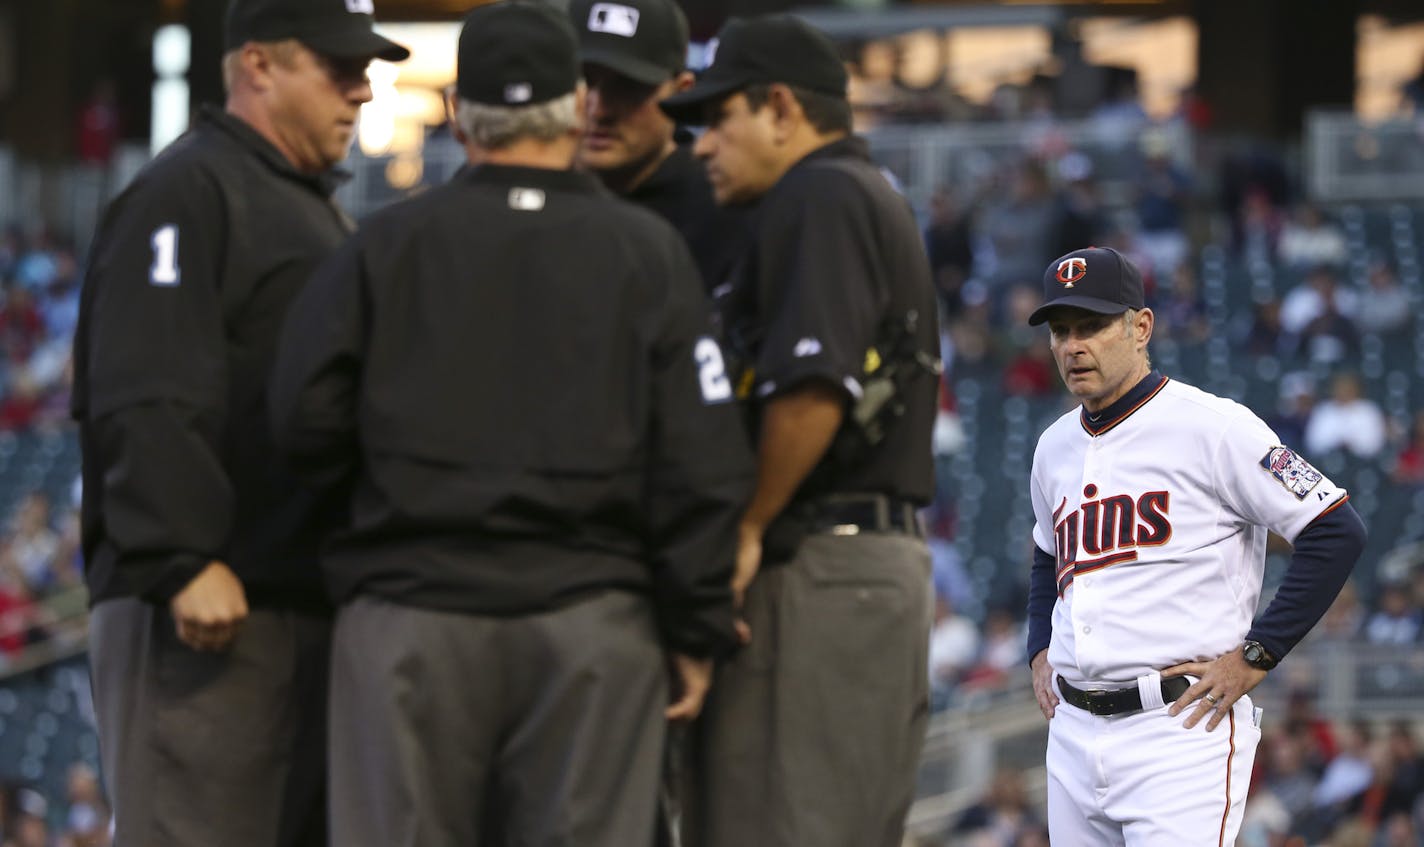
1119, 701
852, 514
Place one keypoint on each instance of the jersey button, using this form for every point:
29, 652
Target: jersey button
1087, 630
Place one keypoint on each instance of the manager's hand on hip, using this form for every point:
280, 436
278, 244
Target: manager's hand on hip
1222, 682
210, 609
1043, 684
693, 678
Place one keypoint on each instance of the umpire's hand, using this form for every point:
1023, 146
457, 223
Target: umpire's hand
748, 563
693, 678
210, 609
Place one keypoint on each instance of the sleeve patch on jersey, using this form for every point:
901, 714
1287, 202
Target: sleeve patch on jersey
1293, 472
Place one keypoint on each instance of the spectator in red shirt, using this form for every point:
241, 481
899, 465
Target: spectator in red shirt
1030, 373
1409, 464
98, 130
21, 326
16, 613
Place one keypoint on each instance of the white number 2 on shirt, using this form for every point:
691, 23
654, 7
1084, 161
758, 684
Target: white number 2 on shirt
712, 372
165, 256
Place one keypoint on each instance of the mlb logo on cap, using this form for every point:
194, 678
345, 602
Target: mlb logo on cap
518, 92
613, 19
526, 199
361, 7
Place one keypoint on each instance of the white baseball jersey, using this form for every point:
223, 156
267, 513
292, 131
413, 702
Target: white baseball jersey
1158, 522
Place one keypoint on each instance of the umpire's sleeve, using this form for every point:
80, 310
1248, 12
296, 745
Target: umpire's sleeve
700, 475
151, 380
313, 395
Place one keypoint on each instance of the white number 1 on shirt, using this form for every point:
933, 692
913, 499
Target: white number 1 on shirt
165, 256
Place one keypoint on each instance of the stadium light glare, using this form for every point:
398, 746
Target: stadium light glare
172, 54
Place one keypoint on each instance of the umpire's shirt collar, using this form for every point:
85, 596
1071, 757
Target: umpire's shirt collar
850, 147
516, 176
324, 183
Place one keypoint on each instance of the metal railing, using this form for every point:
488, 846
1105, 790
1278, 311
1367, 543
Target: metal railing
62, 618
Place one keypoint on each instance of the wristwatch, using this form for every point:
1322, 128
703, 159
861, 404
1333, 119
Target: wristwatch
1257, 657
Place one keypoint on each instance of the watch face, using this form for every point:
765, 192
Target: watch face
1255, 655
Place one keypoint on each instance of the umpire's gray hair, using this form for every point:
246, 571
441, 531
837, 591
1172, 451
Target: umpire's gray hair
494, 127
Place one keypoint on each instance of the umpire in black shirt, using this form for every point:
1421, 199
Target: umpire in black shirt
210, 627
548, 469
634, 54
814, 730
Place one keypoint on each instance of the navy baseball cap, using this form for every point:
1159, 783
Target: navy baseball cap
644, 40
764, 49
1098, 279
343, 29
516, 53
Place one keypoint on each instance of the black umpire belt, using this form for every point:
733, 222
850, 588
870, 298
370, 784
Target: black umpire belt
1119, 701
852, 514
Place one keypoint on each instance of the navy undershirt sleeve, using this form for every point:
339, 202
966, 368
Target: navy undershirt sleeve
1325, 554
1042, 594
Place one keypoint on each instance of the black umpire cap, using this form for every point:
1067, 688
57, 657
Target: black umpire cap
644, 40
1098, 279
764, 49
344, 29
516, 53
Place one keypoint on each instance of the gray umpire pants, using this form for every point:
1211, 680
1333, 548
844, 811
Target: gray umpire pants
203, 749
459, 730
811, 736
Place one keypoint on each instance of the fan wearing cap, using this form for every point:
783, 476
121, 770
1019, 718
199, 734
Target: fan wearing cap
1152, 503
834, 295
516, 370
210, 623
634, 54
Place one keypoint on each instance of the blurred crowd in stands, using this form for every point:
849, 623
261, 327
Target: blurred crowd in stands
37, 319
41, 586
39, 562
79, 818
39, 540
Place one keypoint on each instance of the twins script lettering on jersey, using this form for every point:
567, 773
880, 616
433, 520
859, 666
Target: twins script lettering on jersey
1108, 531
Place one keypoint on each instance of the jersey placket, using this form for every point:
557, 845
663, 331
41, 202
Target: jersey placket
1087, 600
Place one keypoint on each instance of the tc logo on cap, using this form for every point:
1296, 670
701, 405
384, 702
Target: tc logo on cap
361, 7
1071, 270
614, 19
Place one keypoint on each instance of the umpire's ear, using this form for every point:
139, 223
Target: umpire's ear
683, 81
450, 112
